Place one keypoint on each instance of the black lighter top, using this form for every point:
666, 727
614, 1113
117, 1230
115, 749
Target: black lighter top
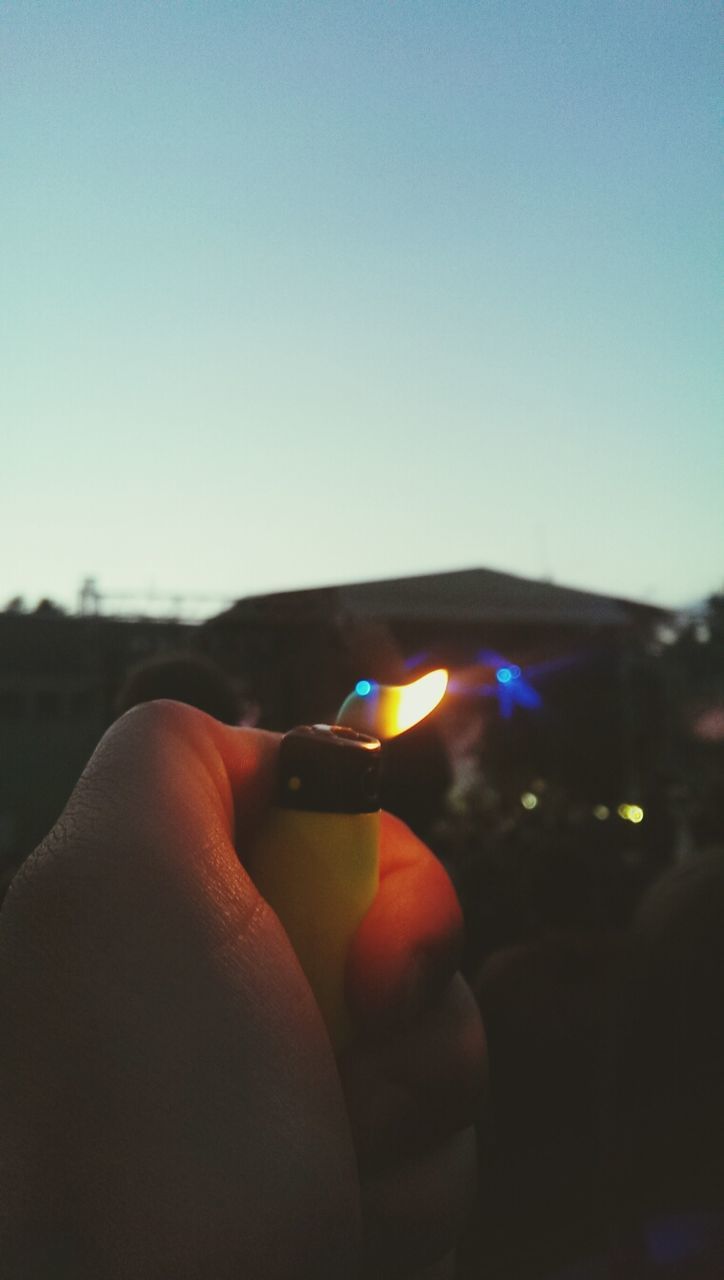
327, 768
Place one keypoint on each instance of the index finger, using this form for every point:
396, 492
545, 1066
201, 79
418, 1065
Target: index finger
409, 943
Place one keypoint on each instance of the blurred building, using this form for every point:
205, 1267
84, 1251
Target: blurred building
580, 707
599, 728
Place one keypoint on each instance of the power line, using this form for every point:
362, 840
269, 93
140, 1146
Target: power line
92, 600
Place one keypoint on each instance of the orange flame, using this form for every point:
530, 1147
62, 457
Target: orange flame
385, 710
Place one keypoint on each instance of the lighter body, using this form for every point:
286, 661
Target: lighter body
316, 860
320, 872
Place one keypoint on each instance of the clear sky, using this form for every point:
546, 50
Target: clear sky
307, 291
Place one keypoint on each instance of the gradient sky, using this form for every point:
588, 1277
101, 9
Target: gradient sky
306, 292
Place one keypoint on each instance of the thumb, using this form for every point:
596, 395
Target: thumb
165, 1081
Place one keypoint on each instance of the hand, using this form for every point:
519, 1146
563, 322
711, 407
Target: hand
414, 1075
170, 1103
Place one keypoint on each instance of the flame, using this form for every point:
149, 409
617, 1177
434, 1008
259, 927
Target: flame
385, 710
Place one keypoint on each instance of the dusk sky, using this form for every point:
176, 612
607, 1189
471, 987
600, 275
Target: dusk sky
307, 292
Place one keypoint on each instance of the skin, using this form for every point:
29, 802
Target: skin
169, 1100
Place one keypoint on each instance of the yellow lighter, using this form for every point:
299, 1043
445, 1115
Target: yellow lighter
316, 860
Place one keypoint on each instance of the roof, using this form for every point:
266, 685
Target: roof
462, 596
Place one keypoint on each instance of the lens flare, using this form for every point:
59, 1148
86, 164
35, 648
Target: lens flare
631, 813
386, 710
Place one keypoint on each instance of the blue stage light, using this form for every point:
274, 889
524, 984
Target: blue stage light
363, 687
512, 687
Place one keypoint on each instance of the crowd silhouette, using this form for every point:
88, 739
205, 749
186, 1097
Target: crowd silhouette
599, 974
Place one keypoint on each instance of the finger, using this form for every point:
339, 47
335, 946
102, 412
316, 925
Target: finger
249, 759
410, 1092
408, 945
157, 811
163, 747
143, 860
415, 1213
